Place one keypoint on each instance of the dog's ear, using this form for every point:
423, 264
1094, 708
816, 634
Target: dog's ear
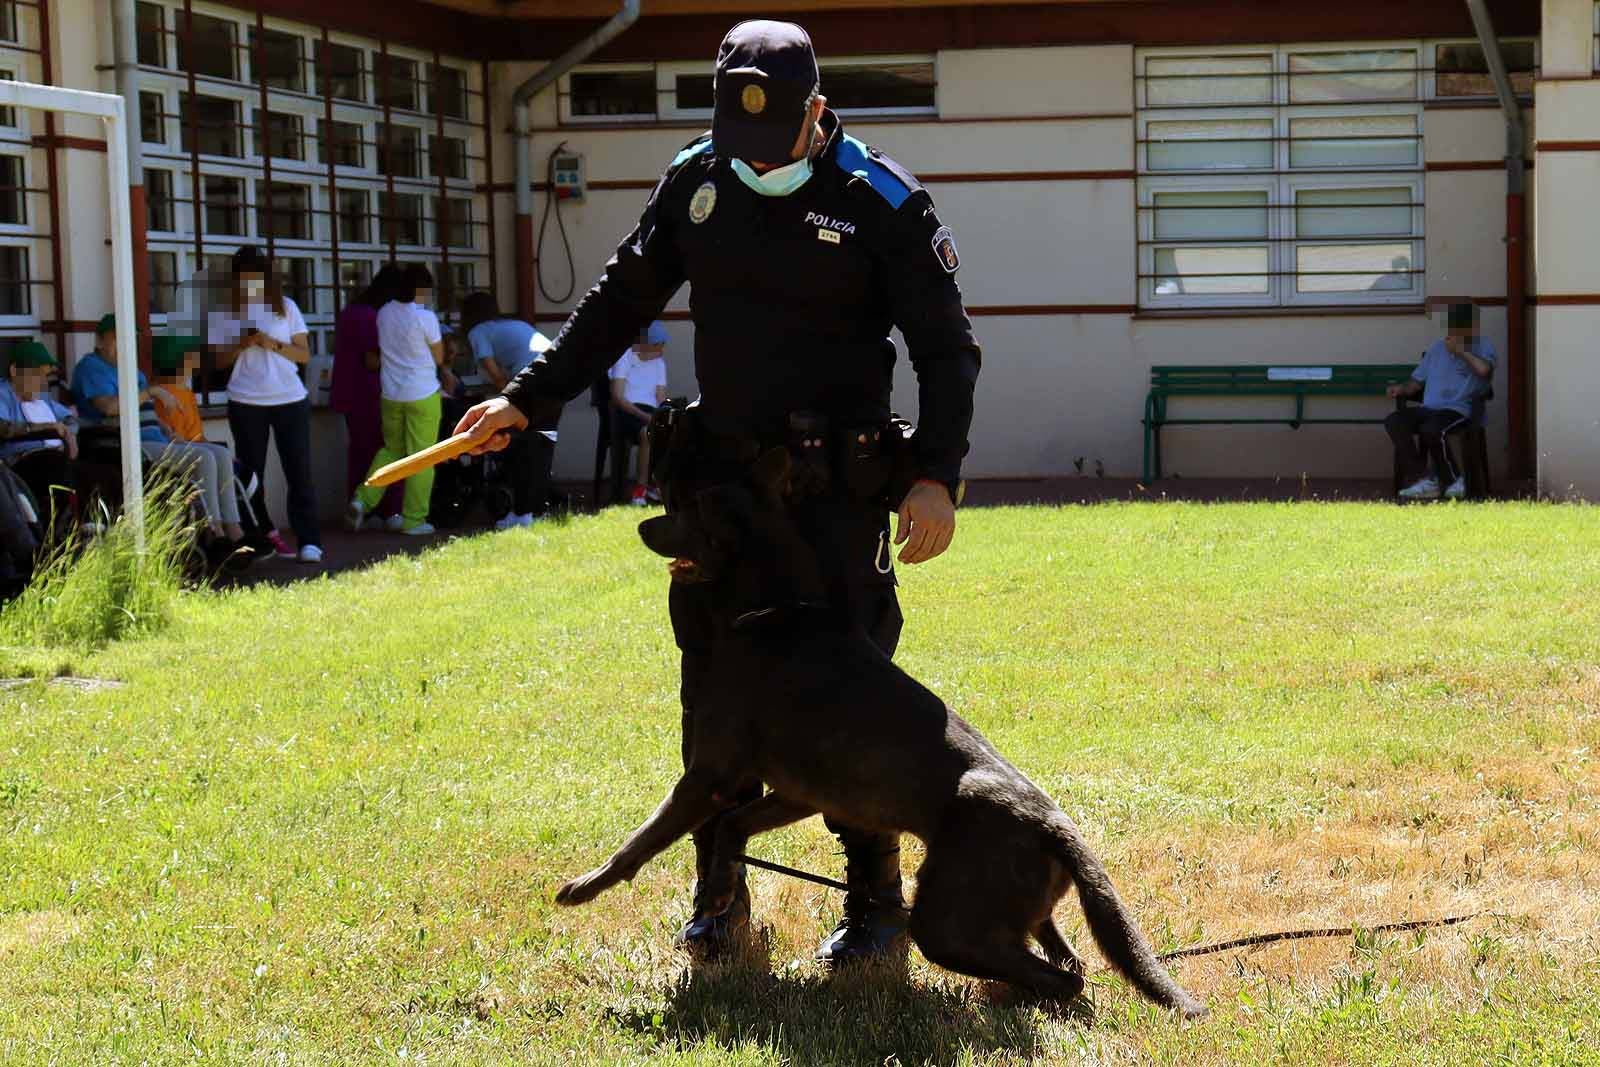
725, 512
771, 471
670, 536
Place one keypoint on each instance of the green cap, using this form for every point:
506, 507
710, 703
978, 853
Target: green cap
107, 324
168, 350
31, 354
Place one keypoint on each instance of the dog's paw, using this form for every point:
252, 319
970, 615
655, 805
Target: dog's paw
583, 889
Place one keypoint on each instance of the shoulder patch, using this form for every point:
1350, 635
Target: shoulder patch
944, 250
698, 146
886, 177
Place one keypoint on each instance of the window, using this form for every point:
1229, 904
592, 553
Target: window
449, 157
398, 86
354, 274
13, 192
8, 21
450, 92
14, 296
209, 47
152, 118
277, 59
1280, 176
282, 134
341, 143
8, 115
158, 200
214, 120
340, 72
695, 92
163, 282
300, 283
612, 94
223, 200
399, 150
879, 86
453, 218
283, 210
353, 215
152, 45
1459, 68
451, 286
401, 217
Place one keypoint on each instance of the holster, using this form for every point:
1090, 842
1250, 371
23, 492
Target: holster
673, 435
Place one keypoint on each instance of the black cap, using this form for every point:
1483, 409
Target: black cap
766, 71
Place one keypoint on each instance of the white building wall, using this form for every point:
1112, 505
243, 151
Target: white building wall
1060, 386
1567, 232
1056, 386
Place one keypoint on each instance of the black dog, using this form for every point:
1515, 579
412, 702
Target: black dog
804, 702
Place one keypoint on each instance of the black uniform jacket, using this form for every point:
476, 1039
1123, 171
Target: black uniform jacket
792, 297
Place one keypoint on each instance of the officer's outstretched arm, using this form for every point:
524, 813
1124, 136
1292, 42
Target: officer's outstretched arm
638, 281
927, 308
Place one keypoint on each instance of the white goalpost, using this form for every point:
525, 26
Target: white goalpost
109, 109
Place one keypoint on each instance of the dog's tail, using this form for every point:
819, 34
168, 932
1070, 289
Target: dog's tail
1114, 930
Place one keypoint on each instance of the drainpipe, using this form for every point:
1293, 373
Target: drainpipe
125, 58
1517, 407
523, 154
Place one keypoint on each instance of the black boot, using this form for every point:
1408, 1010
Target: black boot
874, 923
714, 937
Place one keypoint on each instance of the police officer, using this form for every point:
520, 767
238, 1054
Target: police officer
802, 247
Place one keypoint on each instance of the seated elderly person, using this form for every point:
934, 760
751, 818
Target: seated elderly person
38, 434
94, 391
1453, 382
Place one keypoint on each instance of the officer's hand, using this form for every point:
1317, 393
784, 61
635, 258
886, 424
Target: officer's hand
927, 520
492, 420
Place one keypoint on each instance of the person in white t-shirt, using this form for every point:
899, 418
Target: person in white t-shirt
638, 387
410, 353
263, 337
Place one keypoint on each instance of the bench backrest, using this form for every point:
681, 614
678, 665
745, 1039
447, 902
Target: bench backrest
1265, 379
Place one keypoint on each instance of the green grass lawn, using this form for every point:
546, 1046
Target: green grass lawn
323, 825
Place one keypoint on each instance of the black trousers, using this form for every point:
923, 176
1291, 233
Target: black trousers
289, 425
528, 458
1433, 427
52, 479
852, 544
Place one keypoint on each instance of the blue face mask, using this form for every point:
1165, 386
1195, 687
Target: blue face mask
779, 181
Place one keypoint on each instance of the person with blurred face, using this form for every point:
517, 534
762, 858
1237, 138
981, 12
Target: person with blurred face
410, 355
1452, 379
95, 392
38, 434
262, 337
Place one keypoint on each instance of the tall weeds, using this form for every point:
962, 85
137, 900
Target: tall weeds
89, 591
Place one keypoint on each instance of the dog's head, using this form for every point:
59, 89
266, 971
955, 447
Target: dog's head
740, 538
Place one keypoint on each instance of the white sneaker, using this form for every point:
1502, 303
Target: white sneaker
507, 521
421, 529
527, 519
394, 523
310, 554
1422, 489
1457, 489
355, 514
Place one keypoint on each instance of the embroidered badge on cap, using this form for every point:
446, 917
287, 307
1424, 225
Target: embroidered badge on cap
703, 203
754, 99
944, 247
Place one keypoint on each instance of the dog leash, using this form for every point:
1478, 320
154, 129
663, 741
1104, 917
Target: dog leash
804, 876
1197, 950
1330, 931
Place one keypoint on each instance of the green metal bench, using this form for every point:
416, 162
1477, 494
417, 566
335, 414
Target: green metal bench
1289, 380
